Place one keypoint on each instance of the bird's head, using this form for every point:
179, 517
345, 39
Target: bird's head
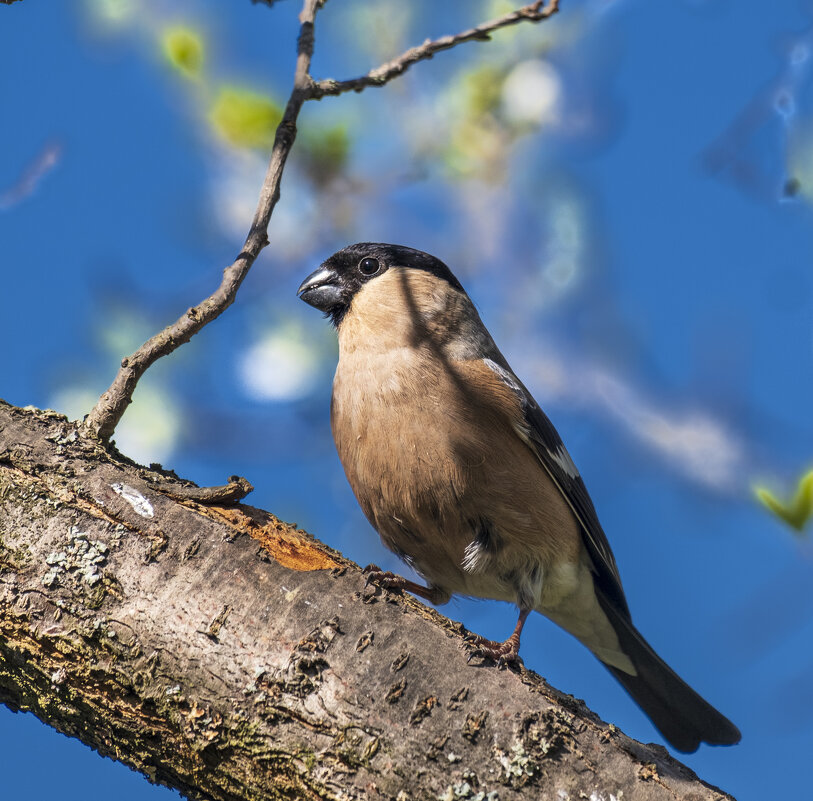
333, 286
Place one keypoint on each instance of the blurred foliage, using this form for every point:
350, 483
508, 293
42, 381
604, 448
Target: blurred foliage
492, 106
480, 90
380, 28
243, 118
112, 12
476, 143
325, 152
798, 510
183, 49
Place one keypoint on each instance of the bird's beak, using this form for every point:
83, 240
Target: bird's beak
321, 289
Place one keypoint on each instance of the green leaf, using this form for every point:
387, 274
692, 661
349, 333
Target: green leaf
183, 48
244, 119
796, 512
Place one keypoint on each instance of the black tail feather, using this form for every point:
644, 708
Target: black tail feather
678, 712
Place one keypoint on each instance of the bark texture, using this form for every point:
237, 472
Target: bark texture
230, 655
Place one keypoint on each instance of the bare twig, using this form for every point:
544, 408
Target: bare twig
107, 412
534, 12
233, 492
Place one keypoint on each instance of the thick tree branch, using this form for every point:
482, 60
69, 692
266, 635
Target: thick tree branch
535, 12
107, 412
229, 655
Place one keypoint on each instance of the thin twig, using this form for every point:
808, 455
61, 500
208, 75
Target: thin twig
233, 492
534, 12
107, 412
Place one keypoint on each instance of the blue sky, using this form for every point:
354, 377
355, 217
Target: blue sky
628, 236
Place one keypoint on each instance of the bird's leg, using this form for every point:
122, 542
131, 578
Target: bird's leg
389, 581
504, 653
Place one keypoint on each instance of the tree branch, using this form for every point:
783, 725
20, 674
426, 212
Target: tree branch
222, 652
110, 407
105, 415
535, 12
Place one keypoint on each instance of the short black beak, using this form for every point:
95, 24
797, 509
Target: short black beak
321, 289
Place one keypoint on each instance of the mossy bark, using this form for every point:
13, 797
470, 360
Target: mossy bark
227, 654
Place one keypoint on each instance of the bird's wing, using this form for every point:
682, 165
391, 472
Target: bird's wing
538, 433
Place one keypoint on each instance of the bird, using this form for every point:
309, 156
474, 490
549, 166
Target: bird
465, 478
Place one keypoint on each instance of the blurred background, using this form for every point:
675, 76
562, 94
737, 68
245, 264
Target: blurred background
625, 193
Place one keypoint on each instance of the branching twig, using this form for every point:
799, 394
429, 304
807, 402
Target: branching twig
107, 412
534, 12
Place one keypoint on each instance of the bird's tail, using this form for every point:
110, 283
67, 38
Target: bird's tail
678, 712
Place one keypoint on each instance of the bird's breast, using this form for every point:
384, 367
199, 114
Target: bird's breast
408, 449
392, 425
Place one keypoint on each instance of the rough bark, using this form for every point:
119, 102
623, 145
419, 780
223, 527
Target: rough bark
230, 655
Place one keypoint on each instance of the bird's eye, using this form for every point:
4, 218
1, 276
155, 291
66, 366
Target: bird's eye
369, 266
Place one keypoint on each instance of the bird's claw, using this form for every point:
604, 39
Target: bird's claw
503, 653
509, 660
381, 578
370, 572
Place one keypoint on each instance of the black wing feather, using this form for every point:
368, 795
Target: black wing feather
550, 450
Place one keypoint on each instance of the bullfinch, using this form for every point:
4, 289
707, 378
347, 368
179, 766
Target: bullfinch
466, 479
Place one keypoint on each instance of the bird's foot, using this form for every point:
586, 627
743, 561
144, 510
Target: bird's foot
383, 578
389, 581
503, 653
